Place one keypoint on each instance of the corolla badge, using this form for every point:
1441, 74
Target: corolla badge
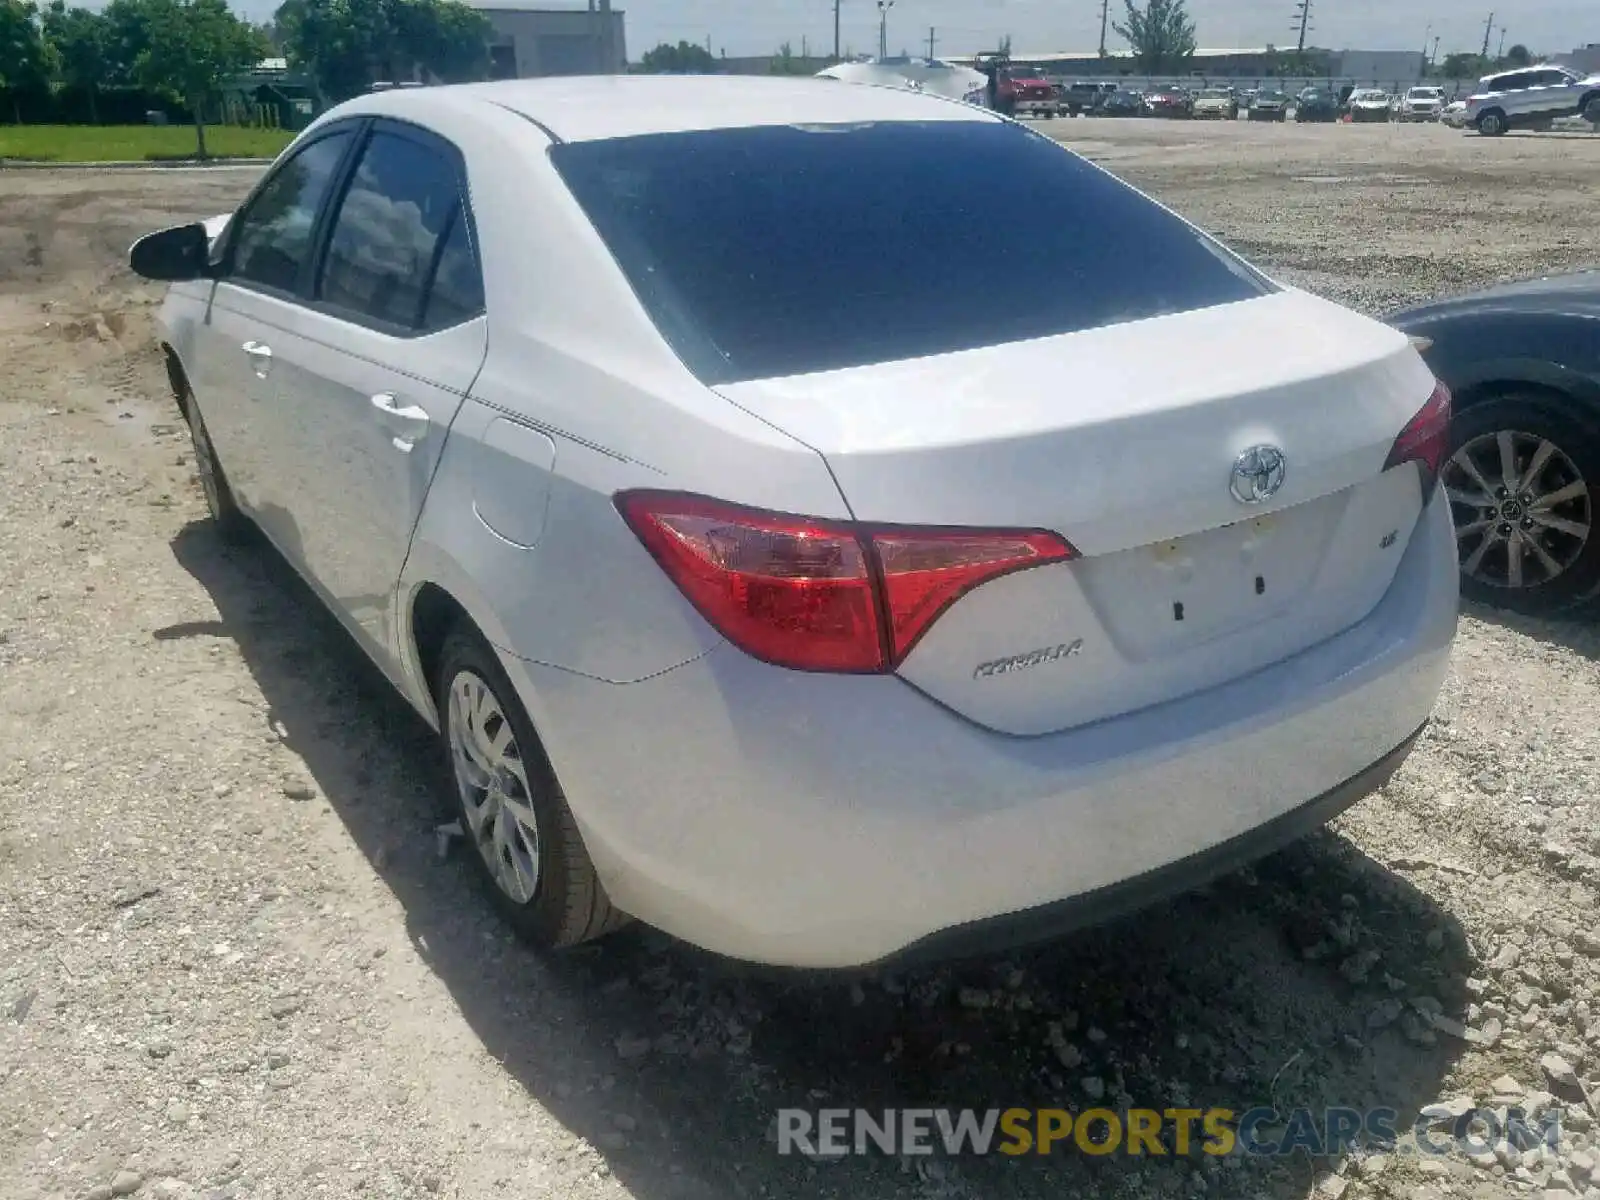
1258, 474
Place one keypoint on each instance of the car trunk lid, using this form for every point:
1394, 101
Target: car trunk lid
1124, 439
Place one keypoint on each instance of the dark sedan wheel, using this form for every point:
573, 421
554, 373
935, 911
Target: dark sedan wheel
1519, 486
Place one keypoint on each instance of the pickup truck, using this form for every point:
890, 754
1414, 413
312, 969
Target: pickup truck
1025, 92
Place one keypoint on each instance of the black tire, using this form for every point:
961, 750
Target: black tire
1493, 123
569, 905
231, 524
1589, 110
1572, 430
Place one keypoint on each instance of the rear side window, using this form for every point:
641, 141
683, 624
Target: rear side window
784, 250
396, 226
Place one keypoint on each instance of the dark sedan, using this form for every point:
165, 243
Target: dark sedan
1123, 104
1315, 105
1524, 363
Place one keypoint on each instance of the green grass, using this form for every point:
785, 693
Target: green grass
134, 143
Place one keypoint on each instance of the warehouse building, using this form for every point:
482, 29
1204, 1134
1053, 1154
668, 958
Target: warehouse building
552, 41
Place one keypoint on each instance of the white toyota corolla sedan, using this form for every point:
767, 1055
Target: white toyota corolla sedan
775, 568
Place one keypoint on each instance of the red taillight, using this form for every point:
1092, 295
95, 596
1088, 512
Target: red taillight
1425, 440
820, 595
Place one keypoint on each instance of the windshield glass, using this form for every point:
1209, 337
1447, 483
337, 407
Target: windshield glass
1214, 94
773, 251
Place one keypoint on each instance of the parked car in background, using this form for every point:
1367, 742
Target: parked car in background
1523, 478
1370, 104
1169, 102
1532, 99
1421, 104
1454, 114
722, 623
1123, 104
1085, 99
1316, 105
1025, 92
1213, 103
1269, 106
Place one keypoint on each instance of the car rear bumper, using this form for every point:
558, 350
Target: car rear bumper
828, 821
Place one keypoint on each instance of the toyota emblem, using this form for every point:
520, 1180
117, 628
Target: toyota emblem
1258, 474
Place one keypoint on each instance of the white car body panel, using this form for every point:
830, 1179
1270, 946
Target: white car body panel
829, 820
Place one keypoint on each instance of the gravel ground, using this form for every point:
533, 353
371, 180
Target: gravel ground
234, 963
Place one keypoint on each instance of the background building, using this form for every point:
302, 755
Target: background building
552, 41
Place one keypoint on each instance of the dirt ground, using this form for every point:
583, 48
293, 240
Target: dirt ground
233, 962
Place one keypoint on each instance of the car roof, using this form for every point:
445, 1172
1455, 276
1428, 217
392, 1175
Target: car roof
592, 108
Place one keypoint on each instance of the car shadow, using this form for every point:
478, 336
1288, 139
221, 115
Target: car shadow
1278, 986
1577, 629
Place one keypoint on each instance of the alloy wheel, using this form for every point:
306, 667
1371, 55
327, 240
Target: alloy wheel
1522, 509
492, 784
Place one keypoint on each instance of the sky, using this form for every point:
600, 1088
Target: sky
746, 27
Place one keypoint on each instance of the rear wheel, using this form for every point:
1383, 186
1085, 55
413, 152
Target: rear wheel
1519, 486
526, 846
1492, 123
1590, 109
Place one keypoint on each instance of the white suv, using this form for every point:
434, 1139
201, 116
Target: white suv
1421, 104
1532, 99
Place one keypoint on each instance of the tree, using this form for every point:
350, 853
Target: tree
1464, 66
192, 48
683, 59
24, 60
1160, 34
1518, 56
79, 38
347, 45
784, 62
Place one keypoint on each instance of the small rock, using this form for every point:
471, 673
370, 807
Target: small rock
431, 1181
1505, 1085
1384, 1014
1069, 1056
1095, 1035
100, 1191
1484, 1160
159, 1048
1373, 1165
1333, 1187
1435, 940
1488, 1034
631, 1046
178, 1112
299, 791
126, 1183
170, 1189
286, 1006
971, 997
1559, 1071
1508, 957
1432, 1168
276, 1059
1583, 1164
1444, 1112
1094, 1087
624, 1122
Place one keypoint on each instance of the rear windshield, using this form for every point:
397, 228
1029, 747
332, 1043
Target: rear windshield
783, 250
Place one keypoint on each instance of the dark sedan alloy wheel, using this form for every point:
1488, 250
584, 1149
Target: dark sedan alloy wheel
1522, 509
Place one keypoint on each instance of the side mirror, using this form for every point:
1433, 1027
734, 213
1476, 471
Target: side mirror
173, 255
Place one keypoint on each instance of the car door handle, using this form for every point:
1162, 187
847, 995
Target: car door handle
412, 419
261, 357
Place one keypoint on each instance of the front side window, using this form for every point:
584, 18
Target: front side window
395, 220
785, 250
273, 239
